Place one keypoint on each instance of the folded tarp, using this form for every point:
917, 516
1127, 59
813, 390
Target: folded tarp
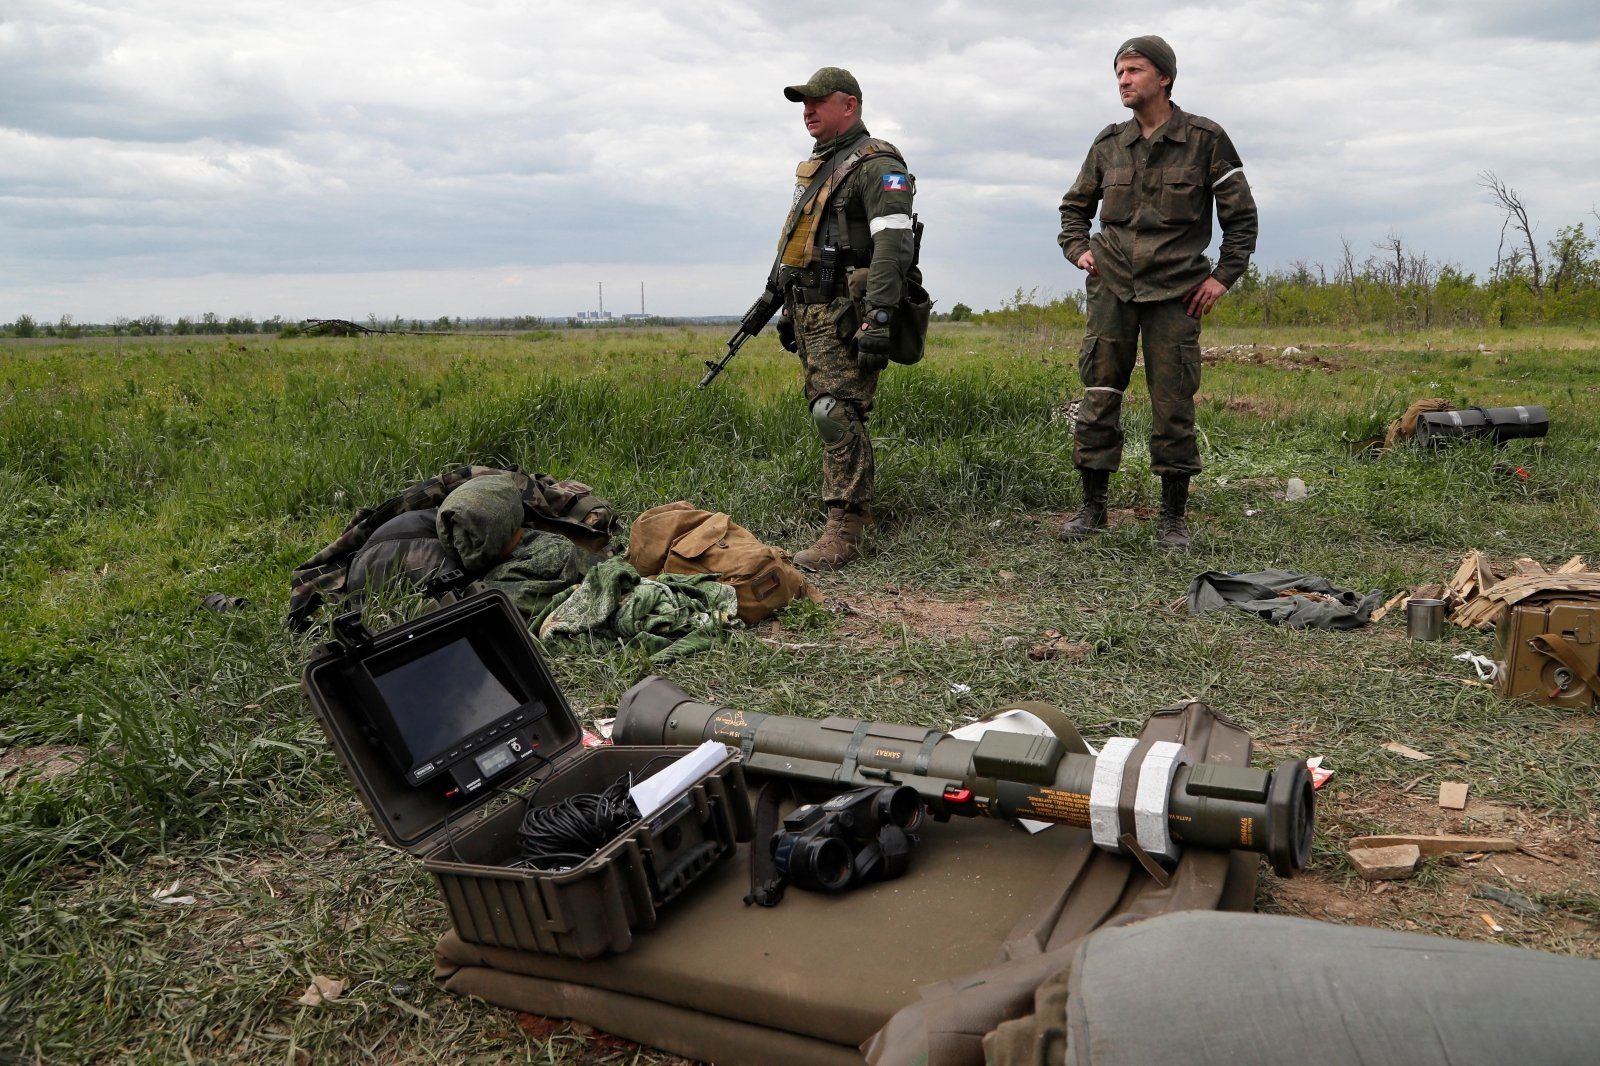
1203, 987
1301, 601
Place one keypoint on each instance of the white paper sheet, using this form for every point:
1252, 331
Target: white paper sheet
661, 788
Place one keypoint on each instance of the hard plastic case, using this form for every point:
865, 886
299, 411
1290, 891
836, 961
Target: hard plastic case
586, 911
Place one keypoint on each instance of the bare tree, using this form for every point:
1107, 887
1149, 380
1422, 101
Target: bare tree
1392, 268
1347, 267
1517, 221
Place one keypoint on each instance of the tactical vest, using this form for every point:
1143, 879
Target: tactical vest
816, 182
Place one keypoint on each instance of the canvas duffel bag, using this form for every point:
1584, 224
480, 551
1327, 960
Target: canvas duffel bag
679, 538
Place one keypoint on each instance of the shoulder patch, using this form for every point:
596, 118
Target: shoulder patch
1108, 131
1200, 122
895, 182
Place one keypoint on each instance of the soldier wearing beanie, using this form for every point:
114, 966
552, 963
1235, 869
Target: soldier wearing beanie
1156, 179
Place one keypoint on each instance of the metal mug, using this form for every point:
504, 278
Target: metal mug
1425, 619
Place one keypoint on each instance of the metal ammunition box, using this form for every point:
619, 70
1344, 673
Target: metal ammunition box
588, 910
1550, 650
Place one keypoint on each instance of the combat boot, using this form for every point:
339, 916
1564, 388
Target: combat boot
1172, 532
1091, 517
839, 544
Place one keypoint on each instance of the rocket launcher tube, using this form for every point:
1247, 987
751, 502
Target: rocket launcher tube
1155, 792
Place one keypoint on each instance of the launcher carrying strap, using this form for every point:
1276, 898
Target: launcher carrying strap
1561, 650
766, 887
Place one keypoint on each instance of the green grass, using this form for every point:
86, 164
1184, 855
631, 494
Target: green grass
141, 476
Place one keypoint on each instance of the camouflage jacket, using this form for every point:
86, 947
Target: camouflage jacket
1155, 197
870, 215
566, 507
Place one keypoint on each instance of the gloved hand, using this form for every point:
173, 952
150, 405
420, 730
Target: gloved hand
872, 347
786, 335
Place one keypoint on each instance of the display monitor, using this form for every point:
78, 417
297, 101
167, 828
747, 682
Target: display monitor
444, 696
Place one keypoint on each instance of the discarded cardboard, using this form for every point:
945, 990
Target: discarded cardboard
1391, 863
1453, 795
321, 990
1407, 752
1439, 844
1478, 593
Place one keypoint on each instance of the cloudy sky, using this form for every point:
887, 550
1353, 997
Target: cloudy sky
491, 158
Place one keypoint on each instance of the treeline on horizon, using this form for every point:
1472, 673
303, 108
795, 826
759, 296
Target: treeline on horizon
1396, 287
238, 325
210, 324
1400, 290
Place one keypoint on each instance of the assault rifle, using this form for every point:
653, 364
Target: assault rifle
753, 322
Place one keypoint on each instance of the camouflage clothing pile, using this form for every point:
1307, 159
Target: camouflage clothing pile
569, 508
670, 616
539, 569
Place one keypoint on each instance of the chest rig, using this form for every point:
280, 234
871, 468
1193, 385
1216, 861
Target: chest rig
817, 181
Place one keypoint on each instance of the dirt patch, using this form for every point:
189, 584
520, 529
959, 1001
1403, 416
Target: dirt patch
46, 761
1558, 870
969, 618
1262, 409
1290, 358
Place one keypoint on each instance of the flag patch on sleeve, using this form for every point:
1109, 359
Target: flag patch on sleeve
894, 183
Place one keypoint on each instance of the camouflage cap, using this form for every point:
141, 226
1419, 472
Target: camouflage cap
825, 82
1154, 49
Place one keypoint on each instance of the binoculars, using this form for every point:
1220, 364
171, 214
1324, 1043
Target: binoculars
854, 838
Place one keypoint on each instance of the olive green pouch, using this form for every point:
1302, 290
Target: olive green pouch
846, 321
909, 326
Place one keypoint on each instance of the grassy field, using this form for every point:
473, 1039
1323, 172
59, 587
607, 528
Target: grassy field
146, 741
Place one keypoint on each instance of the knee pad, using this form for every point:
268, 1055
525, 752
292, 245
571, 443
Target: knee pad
835, 419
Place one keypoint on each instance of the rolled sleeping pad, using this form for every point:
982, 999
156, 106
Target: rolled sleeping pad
1134, 797
1498, 423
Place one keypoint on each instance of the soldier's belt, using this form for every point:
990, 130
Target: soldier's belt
804, 295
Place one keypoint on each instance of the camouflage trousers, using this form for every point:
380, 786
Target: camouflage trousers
1171, 369
830, 370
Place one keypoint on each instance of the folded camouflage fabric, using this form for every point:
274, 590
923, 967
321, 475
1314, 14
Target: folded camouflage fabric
670, 617
479, 518
1300, 601
567, 507
543, 565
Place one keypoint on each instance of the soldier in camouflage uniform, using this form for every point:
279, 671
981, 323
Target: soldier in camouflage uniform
1155, 179
848, 252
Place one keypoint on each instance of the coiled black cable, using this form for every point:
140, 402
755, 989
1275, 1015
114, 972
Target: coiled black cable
563, 834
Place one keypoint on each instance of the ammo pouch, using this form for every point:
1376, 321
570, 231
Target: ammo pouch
909, 326
846, 321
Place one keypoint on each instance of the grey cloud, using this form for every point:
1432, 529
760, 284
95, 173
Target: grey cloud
176, 139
